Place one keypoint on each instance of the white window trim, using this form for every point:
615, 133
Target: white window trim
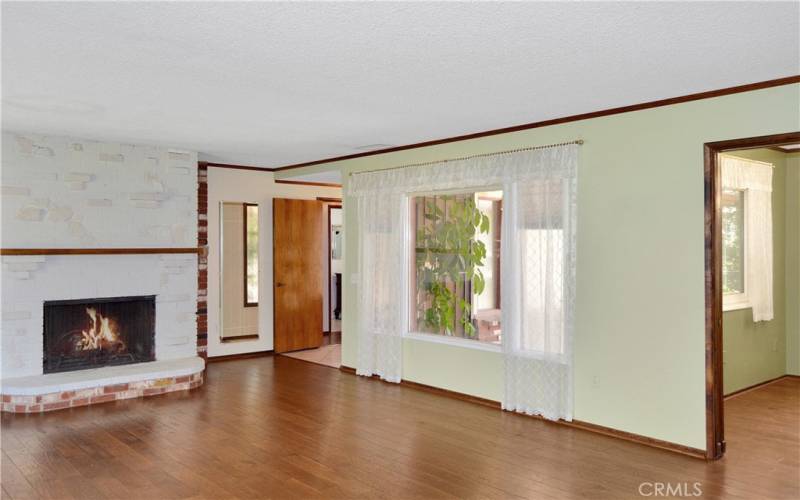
737, 301
454, 341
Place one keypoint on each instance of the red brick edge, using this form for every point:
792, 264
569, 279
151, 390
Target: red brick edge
202, 260
95, 395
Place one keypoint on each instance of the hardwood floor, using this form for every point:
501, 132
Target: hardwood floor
281, 428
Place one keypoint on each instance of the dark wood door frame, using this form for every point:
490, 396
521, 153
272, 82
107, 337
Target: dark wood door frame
715, 420
330, 270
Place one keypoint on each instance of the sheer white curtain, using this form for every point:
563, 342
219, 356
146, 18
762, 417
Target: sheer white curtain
382, 284
537, 267
538, 286
755, 179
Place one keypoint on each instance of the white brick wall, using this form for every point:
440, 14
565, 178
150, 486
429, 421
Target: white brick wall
66, 192
29, 281
60, 192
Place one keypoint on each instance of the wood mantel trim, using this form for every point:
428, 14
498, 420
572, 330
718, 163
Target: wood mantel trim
576, 424
95, 251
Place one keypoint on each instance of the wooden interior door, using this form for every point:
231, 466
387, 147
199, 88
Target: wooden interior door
297, 274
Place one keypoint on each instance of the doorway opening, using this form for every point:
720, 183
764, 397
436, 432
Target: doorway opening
752, 203
335, 260
309, 249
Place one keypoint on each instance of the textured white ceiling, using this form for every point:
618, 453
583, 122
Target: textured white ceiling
276, 83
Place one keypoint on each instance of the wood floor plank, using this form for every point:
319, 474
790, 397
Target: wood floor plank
15, 485
276, 427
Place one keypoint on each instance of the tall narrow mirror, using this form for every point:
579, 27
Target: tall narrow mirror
239, 269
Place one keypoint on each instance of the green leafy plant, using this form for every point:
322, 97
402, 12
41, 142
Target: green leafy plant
448, 260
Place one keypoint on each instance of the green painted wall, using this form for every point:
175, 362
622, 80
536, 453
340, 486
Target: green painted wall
640, 325
793, 264
756, 352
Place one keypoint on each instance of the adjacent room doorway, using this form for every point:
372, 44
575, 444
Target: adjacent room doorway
297, 274
308, 240
749, 281
335, 259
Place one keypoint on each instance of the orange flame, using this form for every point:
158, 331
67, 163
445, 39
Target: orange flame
100, 335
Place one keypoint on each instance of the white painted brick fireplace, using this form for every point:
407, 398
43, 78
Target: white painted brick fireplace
60, 192
171, 278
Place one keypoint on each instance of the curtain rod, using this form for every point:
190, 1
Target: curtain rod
461, 158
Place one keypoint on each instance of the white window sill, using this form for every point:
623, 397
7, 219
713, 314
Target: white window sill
735, 306
453, 341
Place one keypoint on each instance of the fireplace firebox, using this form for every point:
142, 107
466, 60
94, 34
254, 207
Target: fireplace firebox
92, 333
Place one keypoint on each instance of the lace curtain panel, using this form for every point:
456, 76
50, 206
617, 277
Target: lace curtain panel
382, 284
538, 286
537, 267
755, 179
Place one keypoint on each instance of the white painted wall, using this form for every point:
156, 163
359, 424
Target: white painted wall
62, 192
249, 187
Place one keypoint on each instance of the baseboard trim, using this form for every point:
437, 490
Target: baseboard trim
238, 338
758, 385
637, 438
244, 355
436, 390
576, 424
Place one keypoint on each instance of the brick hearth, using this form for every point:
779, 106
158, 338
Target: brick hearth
82, 397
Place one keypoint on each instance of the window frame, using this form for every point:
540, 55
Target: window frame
244, 254
411, 331
737, 301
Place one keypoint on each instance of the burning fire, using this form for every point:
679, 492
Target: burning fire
100, 335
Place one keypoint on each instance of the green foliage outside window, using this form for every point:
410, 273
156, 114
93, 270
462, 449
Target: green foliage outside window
448, 261
251, 254
733, 241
